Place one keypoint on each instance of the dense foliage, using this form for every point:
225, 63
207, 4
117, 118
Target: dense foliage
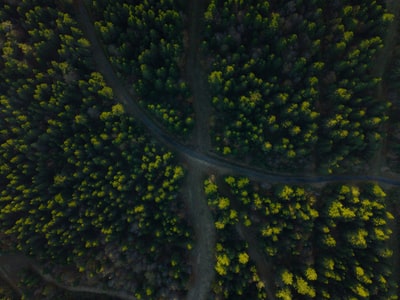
145, 44
82, 183
96, 200
236, 274
292, 81
333, 246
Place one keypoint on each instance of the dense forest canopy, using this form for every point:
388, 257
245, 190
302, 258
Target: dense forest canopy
145, 44
82, 183
294, 87
326, 244
293, 82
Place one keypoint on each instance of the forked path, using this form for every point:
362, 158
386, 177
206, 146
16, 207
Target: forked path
195, 199
203, 259
219, 164
197, 159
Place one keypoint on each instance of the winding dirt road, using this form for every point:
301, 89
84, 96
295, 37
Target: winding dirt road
12, 266
219, 164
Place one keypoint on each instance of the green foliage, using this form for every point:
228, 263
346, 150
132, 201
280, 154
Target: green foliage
83, 185
236, 274
82, 182
145, 44
292, 82
284, 219
352, 259
327, 245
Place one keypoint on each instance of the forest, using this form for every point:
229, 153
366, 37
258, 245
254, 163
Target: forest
82, 183
97, 200
292, 84
322, 244
145, 44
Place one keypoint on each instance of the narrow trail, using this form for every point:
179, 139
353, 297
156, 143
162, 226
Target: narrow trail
264, 268
80, 289
203, 224
382, 62
196, 77
6, 278
263, 265
12, 266
204, 232
378, 163
203, 259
